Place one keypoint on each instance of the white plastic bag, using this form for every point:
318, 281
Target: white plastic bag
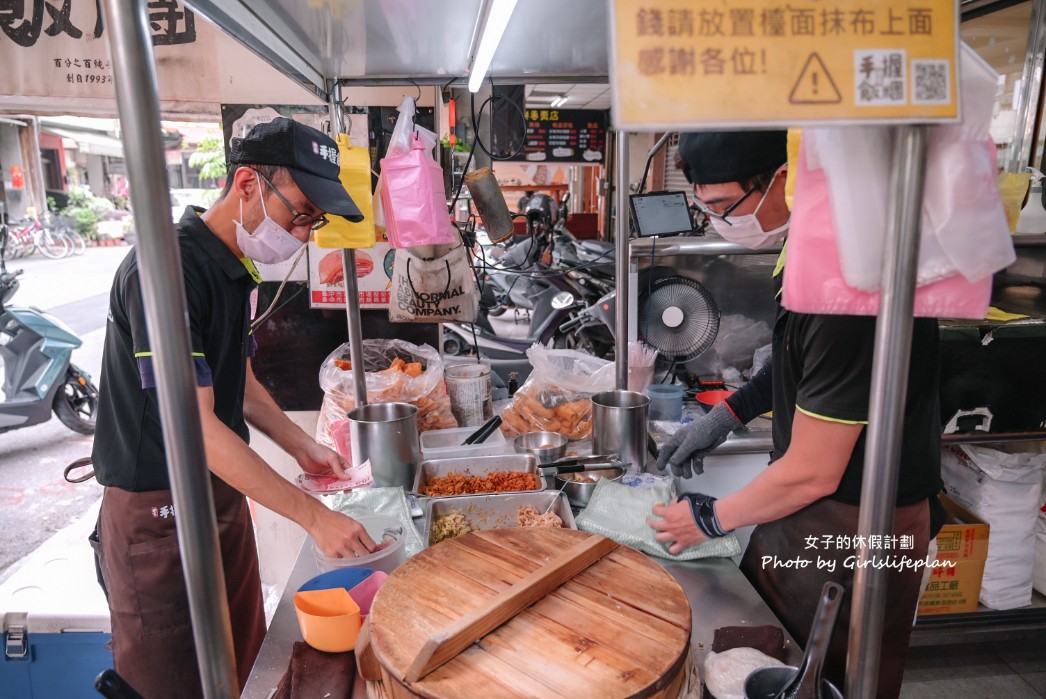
1004, 488
962, 203
964, 228
726, 672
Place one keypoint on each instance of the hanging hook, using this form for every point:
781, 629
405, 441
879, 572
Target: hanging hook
419, 90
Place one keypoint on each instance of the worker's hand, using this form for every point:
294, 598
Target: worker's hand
686, 450
318, 460
674, 526
340, 536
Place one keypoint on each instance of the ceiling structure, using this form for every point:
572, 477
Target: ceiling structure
579, 95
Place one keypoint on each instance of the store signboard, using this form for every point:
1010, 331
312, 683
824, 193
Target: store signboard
564, 136
373, 276
60, 50
687, 64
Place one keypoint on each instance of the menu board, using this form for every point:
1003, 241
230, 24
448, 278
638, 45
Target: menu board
565, 136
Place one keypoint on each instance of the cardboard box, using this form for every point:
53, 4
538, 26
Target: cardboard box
955, 588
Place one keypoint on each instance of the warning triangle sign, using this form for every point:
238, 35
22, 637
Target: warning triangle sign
815, 84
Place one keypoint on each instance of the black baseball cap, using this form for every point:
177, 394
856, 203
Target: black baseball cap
715, 157
311, 157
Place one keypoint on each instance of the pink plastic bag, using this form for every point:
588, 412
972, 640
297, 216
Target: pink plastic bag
813, 278
414, 201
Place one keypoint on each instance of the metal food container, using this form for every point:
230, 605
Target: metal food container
497, 511
580, 492
478, 466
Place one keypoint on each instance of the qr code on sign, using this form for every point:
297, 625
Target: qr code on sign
931, 83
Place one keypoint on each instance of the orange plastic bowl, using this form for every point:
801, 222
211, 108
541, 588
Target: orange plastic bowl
329, 619
712, 397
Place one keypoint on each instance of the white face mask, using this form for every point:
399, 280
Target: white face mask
269, 243
746, 229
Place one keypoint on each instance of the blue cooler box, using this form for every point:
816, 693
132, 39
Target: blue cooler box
56, 624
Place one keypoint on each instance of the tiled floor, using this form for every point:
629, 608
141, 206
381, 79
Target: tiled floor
1001, 670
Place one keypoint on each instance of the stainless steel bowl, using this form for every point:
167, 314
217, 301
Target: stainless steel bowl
545, 446
579, 492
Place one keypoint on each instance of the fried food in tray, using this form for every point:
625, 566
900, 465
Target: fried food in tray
462, 483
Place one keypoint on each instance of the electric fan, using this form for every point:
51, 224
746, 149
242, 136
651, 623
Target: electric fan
678, 318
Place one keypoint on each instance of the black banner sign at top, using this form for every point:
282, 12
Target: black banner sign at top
25, 21
565, 136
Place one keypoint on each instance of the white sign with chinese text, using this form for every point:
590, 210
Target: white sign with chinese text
683, 64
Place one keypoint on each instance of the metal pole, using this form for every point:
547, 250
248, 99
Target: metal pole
348, 262
1027, 100
605, 189
893, 339
167, 321
621, 262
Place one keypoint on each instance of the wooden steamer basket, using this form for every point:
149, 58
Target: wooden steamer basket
527, 613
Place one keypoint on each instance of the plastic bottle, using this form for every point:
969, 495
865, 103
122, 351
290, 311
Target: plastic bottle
1033, 215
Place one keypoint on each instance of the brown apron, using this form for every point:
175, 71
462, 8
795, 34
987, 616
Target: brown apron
153, 647
793, 592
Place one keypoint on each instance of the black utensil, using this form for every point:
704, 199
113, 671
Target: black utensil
573, 460
806, 683
485, 430
557, 469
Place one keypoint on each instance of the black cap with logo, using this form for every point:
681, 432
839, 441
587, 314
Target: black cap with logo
716, 157
311, 157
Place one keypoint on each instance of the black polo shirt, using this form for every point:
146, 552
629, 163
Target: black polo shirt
128, 445
822, 365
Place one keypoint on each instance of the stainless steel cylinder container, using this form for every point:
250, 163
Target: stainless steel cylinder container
387, 434
619, 426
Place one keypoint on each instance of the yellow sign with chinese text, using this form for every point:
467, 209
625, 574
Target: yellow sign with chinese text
678, 64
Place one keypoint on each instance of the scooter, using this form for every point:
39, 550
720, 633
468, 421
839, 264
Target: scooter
36, 349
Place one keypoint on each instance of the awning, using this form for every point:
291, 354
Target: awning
90, 142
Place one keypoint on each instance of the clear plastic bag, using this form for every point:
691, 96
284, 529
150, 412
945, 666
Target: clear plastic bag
555, 397
396, 372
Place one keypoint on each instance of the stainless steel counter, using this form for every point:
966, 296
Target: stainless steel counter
719, 596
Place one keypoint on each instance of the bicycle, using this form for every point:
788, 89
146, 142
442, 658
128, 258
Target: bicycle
63, 228
47, 240
19, 241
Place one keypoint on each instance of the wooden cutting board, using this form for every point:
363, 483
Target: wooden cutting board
620, 628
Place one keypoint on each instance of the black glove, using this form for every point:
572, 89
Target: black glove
687, 448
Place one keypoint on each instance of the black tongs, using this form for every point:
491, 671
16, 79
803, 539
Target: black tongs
485, 430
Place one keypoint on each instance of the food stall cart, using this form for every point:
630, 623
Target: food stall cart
316, 46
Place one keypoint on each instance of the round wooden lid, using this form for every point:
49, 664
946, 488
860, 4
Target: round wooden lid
620, 628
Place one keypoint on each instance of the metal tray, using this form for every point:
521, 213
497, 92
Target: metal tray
478, 466
497, 511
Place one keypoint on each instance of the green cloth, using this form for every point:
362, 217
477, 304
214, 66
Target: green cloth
620, 512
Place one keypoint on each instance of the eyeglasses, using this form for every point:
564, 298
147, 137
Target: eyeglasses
300, 219
729, 210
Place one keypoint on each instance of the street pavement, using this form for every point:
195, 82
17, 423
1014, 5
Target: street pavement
35, 500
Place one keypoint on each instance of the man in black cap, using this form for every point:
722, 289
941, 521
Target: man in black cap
818, 384
284, 184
